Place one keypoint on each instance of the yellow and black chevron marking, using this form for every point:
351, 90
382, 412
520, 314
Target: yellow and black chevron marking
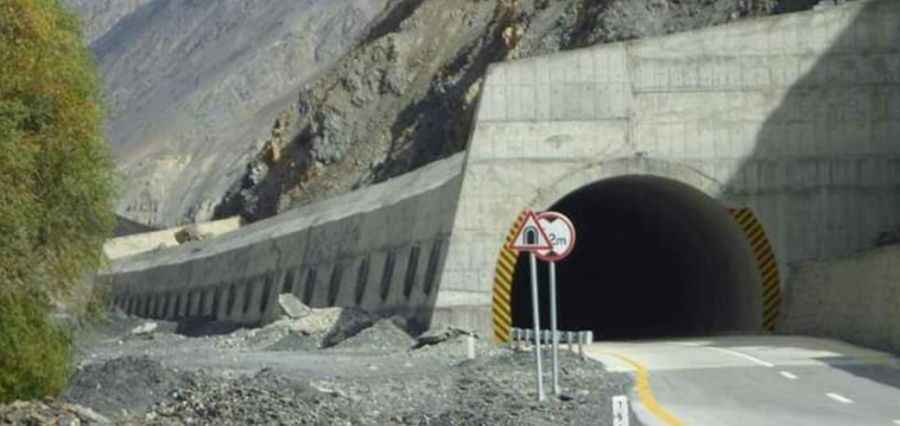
768, 266
503, 276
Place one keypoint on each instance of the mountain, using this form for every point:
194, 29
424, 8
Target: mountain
251, 107
194, 86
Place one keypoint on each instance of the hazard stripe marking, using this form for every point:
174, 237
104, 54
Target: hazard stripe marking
769, 300
506, 275
505, 264
742, 214
502, 295
769, 291
501, 316
501, 310
769, 257
765, 260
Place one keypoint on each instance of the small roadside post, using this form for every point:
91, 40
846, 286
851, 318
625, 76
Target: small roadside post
561, 232
620, 410
531, 237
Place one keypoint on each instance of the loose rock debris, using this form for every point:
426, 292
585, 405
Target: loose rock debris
372, 373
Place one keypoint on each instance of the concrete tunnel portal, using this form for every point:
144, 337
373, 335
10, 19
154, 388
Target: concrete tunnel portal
654, 258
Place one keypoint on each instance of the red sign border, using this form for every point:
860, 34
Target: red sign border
529, 213
560, 256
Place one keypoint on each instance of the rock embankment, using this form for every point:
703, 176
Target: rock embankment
321, 366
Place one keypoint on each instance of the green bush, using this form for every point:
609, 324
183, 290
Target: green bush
57, 181
35, 353
55, 168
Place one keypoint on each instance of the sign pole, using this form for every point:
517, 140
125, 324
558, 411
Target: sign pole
553, 327
537, 325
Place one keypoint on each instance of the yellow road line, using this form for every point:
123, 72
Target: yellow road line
645, 393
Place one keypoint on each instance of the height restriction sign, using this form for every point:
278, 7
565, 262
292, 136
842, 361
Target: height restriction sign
561, 233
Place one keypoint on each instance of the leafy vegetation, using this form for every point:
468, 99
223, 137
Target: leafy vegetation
57, 182
34, 352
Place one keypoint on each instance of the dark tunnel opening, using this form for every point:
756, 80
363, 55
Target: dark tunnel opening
654, 258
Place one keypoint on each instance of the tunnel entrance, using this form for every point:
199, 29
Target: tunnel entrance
655, 258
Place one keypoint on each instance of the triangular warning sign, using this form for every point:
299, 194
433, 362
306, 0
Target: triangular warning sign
530, 236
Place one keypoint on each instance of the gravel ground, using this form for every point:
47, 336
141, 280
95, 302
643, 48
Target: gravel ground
282, 374
123, 385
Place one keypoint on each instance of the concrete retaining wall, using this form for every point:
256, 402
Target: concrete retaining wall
380, 249
131, 245
856, 299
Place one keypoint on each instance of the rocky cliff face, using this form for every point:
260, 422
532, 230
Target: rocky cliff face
194, 87
251, 106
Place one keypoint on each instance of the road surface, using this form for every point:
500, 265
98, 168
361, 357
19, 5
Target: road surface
757, 380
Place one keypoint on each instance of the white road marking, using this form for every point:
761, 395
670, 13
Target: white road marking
897, 422
788, 375
743, 355
839, 398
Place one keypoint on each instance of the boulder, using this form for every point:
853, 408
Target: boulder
291, 307
146, 328
189, 233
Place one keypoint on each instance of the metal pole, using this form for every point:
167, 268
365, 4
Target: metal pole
553, 328
537, 325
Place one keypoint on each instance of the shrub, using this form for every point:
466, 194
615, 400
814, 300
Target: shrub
34, 352
55, 168
57, 182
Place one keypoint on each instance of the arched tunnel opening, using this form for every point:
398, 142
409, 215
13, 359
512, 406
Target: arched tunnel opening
654, 258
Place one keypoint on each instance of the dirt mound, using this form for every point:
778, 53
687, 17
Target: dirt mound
350, 322
343, 329
130, 383
384, 336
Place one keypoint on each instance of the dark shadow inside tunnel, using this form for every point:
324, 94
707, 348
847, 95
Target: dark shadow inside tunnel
654, 258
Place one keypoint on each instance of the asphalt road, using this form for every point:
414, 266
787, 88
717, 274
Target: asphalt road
757, 380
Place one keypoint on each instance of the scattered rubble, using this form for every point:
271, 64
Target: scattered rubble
283, 373
264, 398
49, 412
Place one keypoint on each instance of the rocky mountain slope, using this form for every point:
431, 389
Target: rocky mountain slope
193, 87
250, 107
99, 16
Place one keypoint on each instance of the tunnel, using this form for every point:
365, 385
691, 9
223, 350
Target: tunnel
654, 258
